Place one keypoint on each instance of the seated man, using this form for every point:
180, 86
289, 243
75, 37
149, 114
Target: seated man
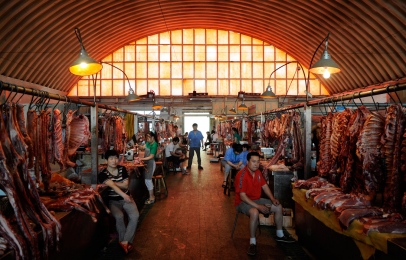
173, 153
243, 154
231, 160
248, 184
209, 140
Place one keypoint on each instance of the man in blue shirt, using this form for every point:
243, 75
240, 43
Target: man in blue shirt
232, 160
244, 153
195, 139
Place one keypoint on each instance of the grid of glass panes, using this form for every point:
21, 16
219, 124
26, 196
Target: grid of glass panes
216, 62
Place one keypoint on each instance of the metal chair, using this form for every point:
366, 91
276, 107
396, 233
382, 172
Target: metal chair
235, 223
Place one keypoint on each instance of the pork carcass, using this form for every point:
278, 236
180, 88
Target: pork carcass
339, 127
324, 163
348, 150
369, 152
391, 151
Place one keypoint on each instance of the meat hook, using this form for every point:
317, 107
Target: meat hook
21, 95
11, 93
359, 97
325, 108
353, 100
396, 92
57, 102
40, 101
46, 93
373, 100
51, 125
32, 99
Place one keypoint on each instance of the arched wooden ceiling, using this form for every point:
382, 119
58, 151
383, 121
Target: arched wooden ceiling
368, 38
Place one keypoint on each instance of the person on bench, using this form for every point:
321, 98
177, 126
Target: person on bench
174, 154
231, 160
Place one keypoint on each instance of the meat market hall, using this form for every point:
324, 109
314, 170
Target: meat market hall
169, 129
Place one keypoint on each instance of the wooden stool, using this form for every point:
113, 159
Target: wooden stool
159, 179
230, 181
170, 167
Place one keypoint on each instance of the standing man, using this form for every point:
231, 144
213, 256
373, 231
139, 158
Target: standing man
195, 138
248, 184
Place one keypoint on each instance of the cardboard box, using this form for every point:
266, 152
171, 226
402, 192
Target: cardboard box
270, 221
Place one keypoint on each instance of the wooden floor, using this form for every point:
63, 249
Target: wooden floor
195, 221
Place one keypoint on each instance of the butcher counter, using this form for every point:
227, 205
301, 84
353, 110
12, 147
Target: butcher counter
320, 231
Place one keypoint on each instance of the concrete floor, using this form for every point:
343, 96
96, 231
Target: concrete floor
195, 221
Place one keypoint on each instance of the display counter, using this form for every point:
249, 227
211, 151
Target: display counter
355, 238
82, 238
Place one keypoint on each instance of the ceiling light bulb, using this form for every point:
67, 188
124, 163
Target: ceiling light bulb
326, 73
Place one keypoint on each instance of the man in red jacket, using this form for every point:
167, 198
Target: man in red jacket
248, 185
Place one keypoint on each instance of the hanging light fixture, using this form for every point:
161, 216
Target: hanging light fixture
131, 96
232, 110
242, 106
155, 105
131, 93
325, 65
268, 92
84, 65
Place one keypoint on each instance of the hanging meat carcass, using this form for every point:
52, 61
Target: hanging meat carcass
283, 142
297, 142
339, 127
348, 149
391, 151
32, 118
249, 131
57, 141
20, 189
67, 126
369, 152
324, 163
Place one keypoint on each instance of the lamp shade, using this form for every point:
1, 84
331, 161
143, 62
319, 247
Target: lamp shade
268, 93
325, 64
131, 96
84, 65
242, 106
233, 110
156, 106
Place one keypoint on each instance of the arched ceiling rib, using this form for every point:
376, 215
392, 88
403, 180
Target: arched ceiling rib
37, 41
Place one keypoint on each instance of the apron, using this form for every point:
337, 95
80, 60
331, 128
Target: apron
149, 172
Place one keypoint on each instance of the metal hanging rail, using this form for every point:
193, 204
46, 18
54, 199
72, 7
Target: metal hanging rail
40, 93
371, 92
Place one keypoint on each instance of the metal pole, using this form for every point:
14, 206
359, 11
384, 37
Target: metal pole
94, 143
308, 141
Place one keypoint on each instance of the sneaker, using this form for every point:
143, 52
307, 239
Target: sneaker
252, 250
185, 172
285, 239
200, 168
